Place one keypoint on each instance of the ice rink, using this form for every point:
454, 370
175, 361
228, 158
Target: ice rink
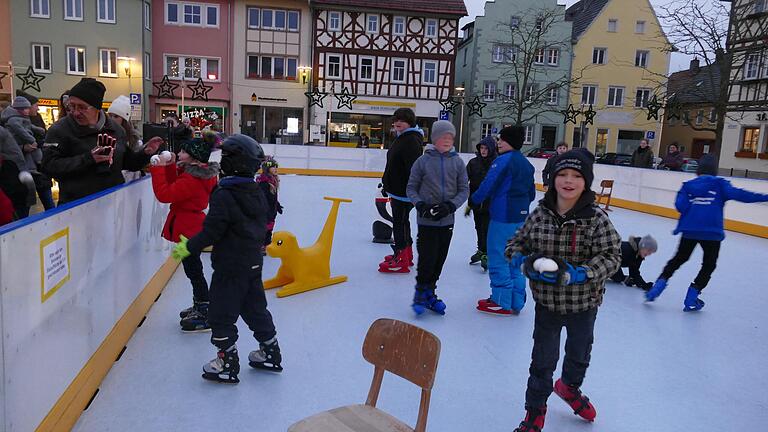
654, 367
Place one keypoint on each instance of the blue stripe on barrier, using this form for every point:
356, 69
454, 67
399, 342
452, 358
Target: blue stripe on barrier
5, 229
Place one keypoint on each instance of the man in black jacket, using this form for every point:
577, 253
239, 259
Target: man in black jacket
86, 151
403, 152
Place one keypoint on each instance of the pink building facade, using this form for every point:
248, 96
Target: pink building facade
191, 65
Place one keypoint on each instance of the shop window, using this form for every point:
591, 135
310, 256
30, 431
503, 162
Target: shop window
334, 21
273, 125
601, 141
40, 8
75, 60
41, 58
108, 63
105, 11
750, 137
73, 10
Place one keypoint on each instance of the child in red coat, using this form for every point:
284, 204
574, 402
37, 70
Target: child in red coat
187, 185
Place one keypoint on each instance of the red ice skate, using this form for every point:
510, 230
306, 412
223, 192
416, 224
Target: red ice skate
409, 254
579, 403
398, 263
534, 420
490, 307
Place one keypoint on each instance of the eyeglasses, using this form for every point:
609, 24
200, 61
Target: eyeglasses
79, 107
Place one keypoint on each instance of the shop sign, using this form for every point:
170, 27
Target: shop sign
255, 98
55, 103
381, 105
202, 116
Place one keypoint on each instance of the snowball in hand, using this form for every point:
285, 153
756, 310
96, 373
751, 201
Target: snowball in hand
542, 265
165, 156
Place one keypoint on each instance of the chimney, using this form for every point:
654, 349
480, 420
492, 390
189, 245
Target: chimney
694, 68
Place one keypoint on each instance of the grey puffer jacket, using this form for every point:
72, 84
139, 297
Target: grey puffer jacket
9, 150
435, 178
24, 132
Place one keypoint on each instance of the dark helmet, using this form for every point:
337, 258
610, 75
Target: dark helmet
241, 156
268, 163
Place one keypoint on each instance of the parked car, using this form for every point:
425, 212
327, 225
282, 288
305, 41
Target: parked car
539, 152
615, 159
690, 165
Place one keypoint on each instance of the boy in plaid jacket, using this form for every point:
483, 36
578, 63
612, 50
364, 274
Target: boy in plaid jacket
570, 229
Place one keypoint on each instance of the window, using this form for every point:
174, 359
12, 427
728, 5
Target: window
40, 8
531, 92
430, 73
514, 22
253, 17
193, 68
528, 135
399, 26
212, 70
293, 21
539, 57
613, 25
192, 14
640, 27
334, 21
398, 70
253, 66
147, 66
553, 96
366, 68
280, 20
291, 66
749, 139
761, 6
699, 117
373, 24
486, 129
333, 67
498, 54
752, 66
465, 56
266, 18
641, 97
212, 16
41, 58
171, 13
510, 90
73, 10
105, 11
553, 57
641, 59
588, 94
266, 67
601, 141
76, 60
278, 67
147, 16
489, 91
615, 96
539, 22
712, 116
511, 54
431, 28
598, 56
108, 63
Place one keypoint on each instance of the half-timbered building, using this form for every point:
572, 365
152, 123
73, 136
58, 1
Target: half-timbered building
381, 56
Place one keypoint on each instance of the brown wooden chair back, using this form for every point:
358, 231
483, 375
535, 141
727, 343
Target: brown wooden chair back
605, 184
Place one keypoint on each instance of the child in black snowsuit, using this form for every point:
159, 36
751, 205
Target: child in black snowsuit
633, 252
235, 225
477, 169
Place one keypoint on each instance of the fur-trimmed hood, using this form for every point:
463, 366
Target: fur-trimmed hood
206, 171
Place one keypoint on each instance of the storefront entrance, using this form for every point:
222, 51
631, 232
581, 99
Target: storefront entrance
346, 129
273, 125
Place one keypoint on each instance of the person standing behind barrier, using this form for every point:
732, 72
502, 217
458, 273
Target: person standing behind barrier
120, 112
401, 155
12, 165
187, 185
86, 151
510, 187
43, 183
673, 160
560, 149
643, 156
477, 169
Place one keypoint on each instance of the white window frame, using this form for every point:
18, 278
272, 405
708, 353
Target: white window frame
497, 55
398, 21
328, 66
192, 14
618, 93
71, 15
760, 6
371, 21
486, 129
77, 50
528, 136
393, 78
106, 19
274, 19
208, 9
589, 94
489, 91
511, 54
182, 67
427, 32
712, 116
615, 23
147, 66
40, 49
699, 117
248, 22
643, 100
553, 53
181, 19
540, 56
602, 58
38, 4
288, 14
509, 90
424, 74
640, 27
514, 21
752, 60
147, 16
338, 16
167, 15
108, 73
641, 58
553, 91
530, 92
360, 69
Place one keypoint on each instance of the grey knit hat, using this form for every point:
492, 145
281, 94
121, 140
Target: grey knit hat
442, 127
20, 102
649, 243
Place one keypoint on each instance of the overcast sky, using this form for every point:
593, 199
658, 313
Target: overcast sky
475, 7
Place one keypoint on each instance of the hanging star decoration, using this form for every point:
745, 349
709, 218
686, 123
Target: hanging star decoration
316, 97
570, 114
165, 88
653, 108
450, 104
673, 109
476, 107
30, 80
200, 90
589, 115
345, 99
2, 75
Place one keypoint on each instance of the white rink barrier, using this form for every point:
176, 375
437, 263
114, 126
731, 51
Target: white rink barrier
66, 277
646, 190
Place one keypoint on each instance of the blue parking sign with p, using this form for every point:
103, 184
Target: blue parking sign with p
650, 135
443, 115
135, 98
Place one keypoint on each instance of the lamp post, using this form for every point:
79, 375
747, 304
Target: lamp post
304, 72
126, 63
460, 95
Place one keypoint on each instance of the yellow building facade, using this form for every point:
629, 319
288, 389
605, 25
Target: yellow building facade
620, 61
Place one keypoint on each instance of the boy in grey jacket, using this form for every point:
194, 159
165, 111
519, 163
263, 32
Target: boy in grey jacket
438, 185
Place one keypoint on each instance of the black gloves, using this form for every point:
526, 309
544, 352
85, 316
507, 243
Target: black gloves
439, 211
422, 209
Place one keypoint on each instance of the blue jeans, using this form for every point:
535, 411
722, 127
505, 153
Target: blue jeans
46, 197
507, 281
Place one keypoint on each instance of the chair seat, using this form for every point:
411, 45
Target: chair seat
351, 418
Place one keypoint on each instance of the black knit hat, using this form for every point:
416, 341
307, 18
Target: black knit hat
32, 99
579, 159
707, 165
197, 148
514, 136
90, 91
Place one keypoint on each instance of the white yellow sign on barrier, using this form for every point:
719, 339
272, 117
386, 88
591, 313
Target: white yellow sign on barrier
54, 263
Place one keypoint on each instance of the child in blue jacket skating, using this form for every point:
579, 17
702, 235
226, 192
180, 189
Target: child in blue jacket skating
700, 202
509, 185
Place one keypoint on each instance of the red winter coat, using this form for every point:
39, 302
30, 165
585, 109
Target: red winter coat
187, 191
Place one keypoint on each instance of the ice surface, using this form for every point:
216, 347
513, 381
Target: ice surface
654, 367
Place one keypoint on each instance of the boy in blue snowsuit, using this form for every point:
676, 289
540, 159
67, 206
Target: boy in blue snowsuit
510, 187
700, 202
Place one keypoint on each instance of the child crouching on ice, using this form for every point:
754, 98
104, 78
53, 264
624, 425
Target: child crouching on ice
570, 229
633, 252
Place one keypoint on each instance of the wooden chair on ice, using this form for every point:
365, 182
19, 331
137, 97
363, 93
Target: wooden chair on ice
605, 184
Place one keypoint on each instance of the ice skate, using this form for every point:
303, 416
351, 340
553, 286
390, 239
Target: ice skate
484, 262
579, 403
398, 264
424, 299
491, 307
267, 357
534, 420
475, 258
656, 290
186, 311
692, 301
224, 368
196, 320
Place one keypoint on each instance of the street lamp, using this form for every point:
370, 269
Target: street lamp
460, 94
304, 73
126, 63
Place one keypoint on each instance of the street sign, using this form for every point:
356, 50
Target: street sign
650, 135
135, 98
495, 131
443, 115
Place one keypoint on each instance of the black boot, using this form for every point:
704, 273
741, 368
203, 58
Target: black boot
197, 319
267, 356
224, 368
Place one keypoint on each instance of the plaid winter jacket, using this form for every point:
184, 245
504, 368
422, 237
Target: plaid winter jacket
583, 237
